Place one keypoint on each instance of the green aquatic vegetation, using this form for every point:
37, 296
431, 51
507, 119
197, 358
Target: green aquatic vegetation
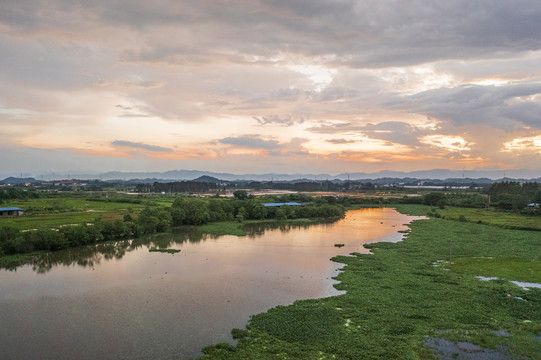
405, 293
505, 268
223, 228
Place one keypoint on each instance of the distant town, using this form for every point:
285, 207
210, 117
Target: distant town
206, 183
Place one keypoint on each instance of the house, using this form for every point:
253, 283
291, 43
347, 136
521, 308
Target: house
282, 204
11, 211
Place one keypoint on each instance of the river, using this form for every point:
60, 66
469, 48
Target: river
120, 301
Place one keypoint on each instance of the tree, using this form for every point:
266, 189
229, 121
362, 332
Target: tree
537, 196
240, 195
434, 199
192, 211
281, 214
154, 219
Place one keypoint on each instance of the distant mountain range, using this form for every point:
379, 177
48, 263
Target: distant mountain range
17, 181
206, 176
177, 175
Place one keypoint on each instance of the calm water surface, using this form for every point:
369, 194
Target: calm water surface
120, 301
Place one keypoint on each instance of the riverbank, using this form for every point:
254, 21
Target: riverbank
407, 297
41, 228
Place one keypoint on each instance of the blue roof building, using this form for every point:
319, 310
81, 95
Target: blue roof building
11, 211
282, 204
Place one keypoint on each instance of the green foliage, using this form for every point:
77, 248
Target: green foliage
434, 199
12, 193
240, 194
469, 200
510, 195
190, 211
537, 196
281, 214
47, 240
221, 349
239, 333
154, 219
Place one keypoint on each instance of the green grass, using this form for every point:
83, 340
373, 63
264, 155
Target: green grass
405, 292
57, 211
495, 217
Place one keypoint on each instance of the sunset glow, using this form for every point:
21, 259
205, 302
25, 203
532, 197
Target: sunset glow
318, 86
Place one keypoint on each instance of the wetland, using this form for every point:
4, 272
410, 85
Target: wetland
125, 300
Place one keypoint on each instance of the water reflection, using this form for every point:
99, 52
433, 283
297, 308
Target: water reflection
120, 301
92, 255
258, 229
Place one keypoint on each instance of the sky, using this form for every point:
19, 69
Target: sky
248, 86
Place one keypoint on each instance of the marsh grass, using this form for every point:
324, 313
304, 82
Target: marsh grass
397, 297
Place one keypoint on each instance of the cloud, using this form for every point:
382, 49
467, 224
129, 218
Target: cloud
138, 145
477, 104
397, 132
394, 131
340, 141
277, 120
251, 141
358, 34
339, 74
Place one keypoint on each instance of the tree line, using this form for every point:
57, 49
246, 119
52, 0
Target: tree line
506, 195
155, 218
512, 195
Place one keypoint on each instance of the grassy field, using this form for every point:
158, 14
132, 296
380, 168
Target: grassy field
492, 217
54, 211
410, 293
